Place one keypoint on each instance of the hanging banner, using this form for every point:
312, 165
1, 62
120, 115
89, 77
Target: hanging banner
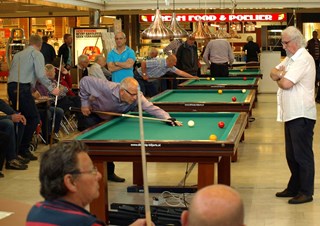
267, 17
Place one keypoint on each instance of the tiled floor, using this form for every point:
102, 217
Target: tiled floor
260, 172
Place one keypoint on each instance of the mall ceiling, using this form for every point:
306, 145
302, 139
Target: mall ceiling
39, 8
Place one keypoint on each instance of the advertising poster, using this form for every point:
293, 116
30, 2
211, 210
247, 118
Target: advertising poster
88, 41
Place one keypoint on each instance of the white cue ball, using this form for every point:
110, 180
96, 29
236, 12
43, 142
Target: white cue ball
190, 123
243, 91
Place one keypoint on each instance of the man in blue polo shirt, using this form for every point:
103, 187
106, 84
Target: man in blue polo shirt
121, 59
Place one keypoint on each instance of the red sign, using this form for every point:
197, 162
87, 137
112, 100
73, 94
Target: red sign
219, 17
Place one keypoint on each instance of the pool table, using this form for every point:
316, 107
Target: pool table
205, 100
222, 83
233, 72
255, 73
119, 140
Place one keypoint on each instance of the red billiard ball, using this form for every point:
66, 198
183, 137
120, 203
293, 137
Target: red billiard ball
221, 124
234, 99
244, 78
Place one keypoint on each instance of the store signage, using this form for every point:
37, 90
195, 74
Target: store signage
88, 42
219, 17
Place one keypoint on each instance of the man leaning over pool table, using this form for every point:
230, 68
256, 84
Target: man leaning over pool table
103, 95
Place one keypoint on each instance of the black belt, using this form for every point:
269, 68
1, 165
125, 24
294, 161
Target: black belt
226, 63
21, 84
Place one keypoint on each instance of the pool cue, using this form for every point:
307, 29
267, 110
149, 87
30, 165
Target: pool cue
120, 114
18, 106
55, 104
144, 164
78, 76
18, 88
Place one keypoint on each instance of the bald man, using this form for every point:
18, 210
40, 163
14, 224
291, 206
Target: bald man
215, 205
155, 68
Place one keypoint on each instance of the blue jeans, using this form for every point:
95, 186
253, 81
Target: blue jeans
28, 108
12, 142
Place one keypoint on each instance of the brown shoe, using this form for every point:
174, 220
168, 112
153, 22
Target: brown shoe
115, 178
285, 194
300, 198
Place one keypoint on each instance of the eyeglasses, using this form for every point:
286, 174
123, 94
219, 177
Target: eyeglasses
131, 94
94, 171
286, 43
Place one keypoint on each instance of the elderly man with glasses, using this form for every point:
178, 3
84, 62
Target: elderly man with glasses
103, 95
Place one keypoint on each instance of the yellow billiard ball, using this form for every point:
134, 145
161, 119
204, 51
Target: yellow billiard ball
241, 70
213, 137
220, 91
208, 78
213, 79
244, 91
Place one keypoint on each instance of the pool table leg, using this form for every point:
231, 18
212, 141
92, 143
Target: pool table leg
99, 206
137, 173
235, 156
224, 170
205, 174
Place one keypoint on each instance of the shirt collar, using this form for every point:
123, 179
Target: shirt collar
297, 54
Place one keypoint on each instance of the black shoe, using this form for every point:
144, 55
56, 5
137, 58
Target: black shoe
300, 198
29, 155
1, 175
54, 140
15, 165
285, 194
115, 178
318, 101
23, 160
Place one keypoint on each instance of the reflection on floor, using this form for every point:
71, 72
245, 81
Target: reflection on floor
260, 172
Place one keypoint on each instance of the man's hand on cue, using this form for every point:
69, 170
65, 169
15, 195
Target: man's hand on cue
86, 111
174, 122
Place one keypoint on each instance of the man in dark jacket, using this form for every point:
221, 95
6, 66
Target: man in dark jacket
313, 46
187, 57
47, 50
65, 51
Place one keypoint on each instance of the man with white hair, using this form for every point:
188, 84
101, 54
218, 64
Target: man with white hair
295, 77
96, 68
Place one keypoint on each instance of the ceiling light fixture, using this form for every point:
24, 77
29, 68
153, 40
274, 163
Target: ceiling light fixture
178, 31
157, 30
200, 33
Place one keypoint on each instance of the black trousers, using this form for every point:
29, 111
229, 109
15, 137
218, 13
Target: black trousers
4, 144
28, 108
87, 121
299, 154
219, 70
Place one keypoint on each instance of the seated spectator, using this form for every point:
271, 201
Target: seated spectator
46, 117
9, 140
96, 68
65, 78
64, 101
215, 205
69, 182
83, 64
